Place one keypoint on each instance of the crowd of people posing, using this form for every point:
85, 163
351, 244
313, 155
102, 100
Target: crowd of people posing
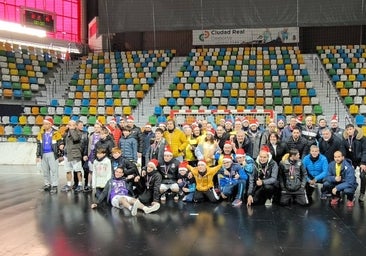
236, 160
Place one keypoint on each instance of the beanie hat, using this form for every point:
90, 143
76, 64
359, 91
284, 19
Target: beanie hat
154, 162
227, 142
130, 118
227, 157
334, 118
183, 166
167, 149
211, 131
113, 120
299, 119
240, 152
265, 148
254, 122
49, 120
202, 161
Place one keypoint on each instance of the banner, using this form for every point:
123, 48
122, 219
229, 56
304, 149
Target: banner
245, 36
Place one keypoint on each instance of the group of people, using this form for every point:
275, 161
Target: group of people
236, 160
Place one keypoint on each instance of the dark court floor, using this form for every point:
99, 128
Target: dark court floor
37, 223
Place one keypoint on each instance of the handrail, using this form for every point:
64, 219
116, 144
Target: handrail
53, 89
337, 102
328, 90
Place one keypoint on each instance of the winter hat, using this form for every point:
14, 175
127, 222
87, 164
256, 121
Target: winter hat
254, 122
185, 126
147, 125
113, 120
265, 148
245, 120
49, 120
154, 162
211, 131
228, 142
334, 118
237, 120
299, 119
183, 166
228, 121
168, 150
202, 161
130, 118
240, 152
227, 157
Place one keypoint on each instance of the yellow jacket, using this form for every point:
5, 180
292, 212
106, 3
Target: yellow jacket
205, 182
177, 141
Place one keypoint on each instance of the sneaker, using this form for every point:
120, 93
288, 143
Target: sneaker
184, 198
152, 208
350, 203
334, 201
361, 198
46, 188
53, 190
163, 198
74, 186
134, 208
268, 202
87, 189
237, 202
323, 196
66, 188
78, 189
176, 198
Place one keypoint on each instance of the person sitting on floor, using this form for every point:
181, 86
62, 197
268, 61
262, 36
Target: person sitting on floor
116, 193
151, 179
186, 183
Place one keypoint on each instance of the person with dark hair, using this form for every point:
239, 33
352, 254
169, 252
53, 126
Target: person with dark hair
263, 183
255, 137
84, 152
102, 170
148, 137
221, 135
341, 178
292, 177
287, 131
277, 147
128, 145
106, 142
354, 142
176, 139
135, 133
296, 141
151, 178
116, 192
242, 141
316, 166
156, 149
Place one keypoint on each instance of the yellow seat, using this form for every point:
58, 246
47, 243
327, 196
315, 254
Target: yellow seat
243, 86
352, 77
228, 79
163, 102
176, 94
117, 102
93, 110
209, 93
353, 109
303, 92
339, 84
234, 93
288, 110
22, 120
65, 120
251, 101
127, 111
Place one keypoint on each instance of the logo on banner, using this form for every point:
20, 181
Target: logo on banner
204, 35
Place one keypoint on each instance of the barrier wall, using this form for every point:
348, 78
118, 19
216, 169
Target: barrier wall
22, 153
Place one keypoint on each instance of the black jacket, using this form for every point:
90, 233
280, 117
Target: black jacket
327, 148
295, 181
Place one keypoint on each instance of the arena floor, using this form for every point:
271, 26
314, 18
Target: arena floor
37, 223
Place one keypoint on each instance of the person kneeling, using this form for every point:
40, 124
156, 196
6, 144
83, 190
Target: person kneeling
116, 193
292, 176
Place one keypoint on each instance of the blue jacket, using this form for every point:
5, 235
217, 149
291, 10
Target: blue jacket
318, 169
128, 146
347, 174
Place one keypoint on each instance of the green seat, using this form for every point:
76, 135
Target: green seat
333, 60
348, 100
57, 120
92, 120
27, 95
42, 63
43, 111
351, 65
206, 101
101, 88
194, 107
236, 79
155, 75
182, 68
294, 92
307, 78
277, 101
69, 102
276, 85
139, 70
152, 120
172, 87
190, 80
27, 130
220, 57
134, 102
246, 62
16, 86
116, 95
348, 84
74, 82
318, 110
84, 111
266, 67
122, 81
231, 67
267, 79
222, 73
94, 76
332, 72
137, 87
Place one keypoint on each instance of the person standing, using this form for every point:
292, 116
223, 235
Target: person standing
49, 144
176, 139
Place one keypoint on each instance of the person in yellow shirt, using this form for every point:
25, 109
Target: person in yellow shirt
176, 139
204, 182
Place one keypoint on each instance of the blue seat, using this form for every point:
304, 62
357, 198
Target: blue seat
158, 111
203, 86
85, 102
109, 102
17, 94
161, 119
360, 77
194, 74
208, 73
115, 87
283, 78
277, 93
360, 120
274, 72
292, 85
233, 101
225, 93
21, 139
67, 110
312, 92
176, 80
227, 86
251, 79
14, 120
150, 81
296, 101
185, 93
335, 78
304, 72
18, 130
172, 102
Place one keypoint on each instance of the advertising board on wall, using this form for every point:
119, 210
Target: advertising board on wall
245, 36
